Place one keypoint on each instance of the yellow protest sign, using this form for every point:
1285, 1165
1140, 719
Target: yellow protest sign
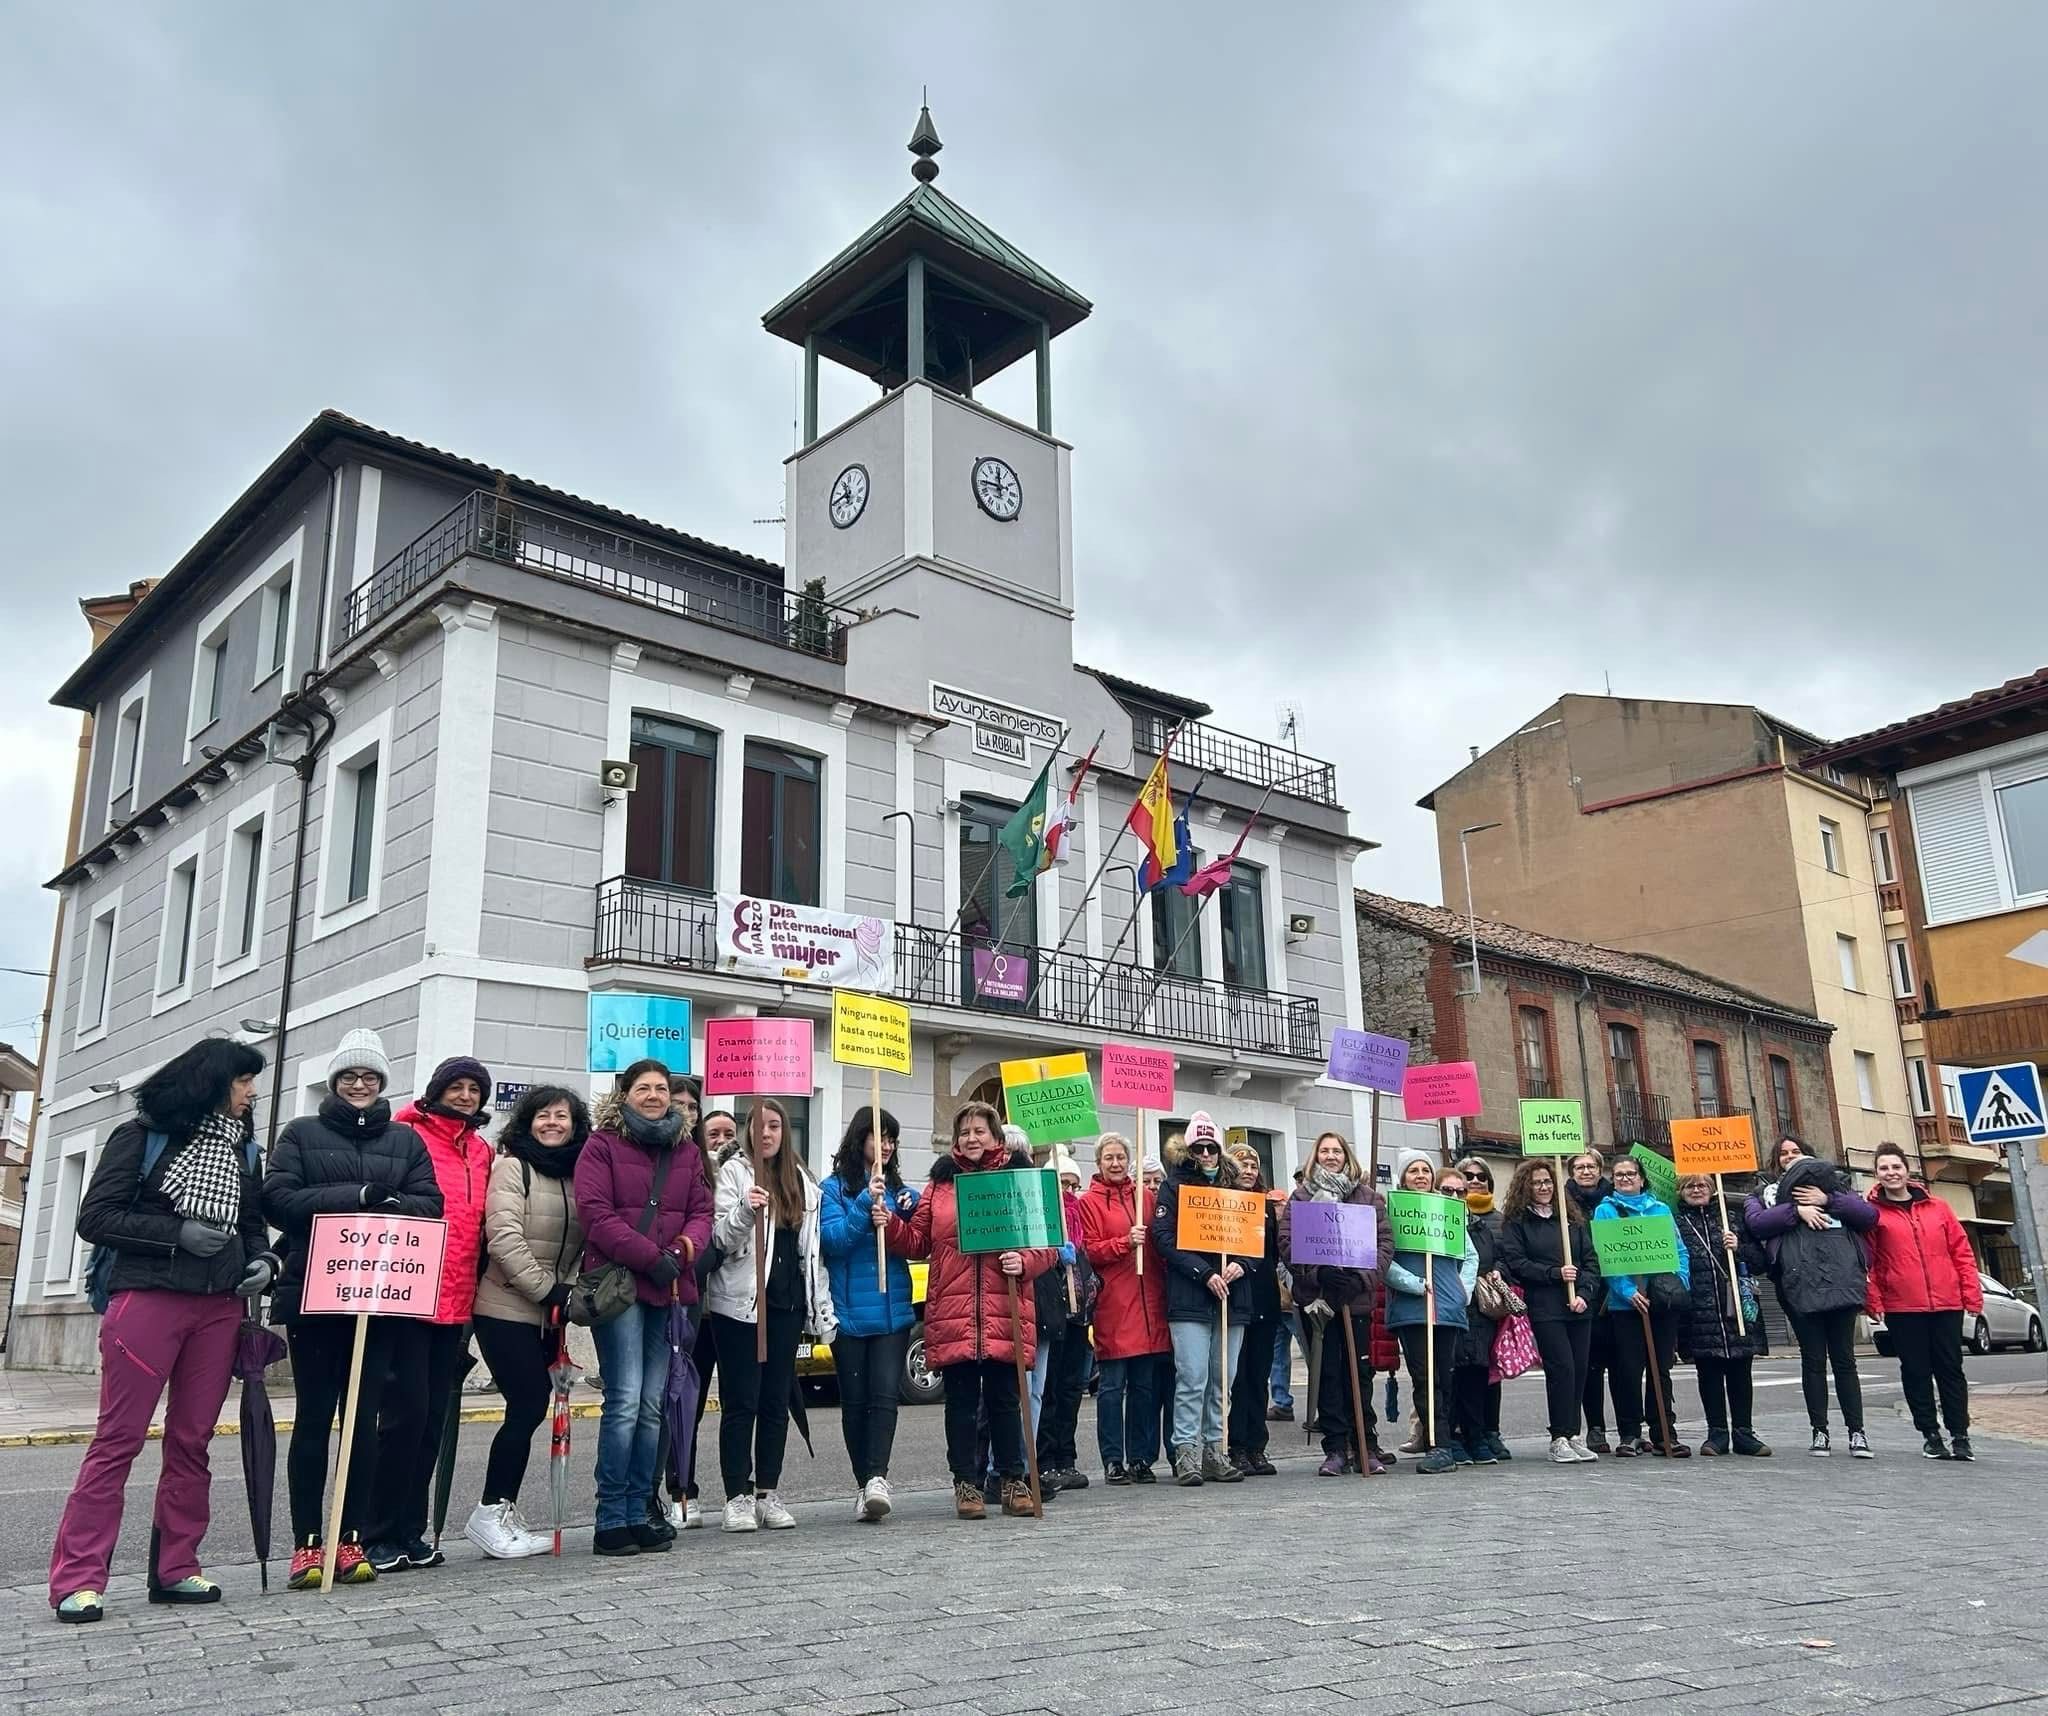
868, 1032
1044, 1067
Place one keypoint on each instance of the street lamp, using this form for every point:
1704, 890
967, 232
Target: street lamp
1471, 921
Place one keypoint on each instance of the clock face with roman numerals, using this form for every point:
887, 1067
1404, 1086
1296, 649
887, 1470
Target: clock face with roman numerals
849, 496
997, 489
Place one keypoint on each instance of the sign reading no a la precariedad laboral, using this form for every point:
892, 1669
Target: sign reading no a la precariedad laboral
624, 1028
804, 944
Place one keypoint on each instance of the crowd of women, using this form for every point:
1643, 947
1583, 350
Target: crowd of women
688, 1238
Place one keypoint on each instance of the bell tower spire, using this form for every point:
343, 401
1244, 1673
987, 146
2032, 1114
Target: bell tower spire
924, 144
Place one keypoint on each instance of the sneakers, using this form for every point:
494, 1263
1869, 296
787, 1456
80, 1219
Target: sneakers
1677, 1449
189, 1590
1625, 1450
308, 1560
1144, 1474
1961, 1450
772, 1514
1934, 1448
1818, 1447
387, 1557
352, 1563
1859, 1446
693, 1515
1375, 1463
1749, 1443
1496, 1447
1258, 1466
676, 1513
1114, 1473
875, 1501
1216, 1469
1280, 1414
1716, 1443
967, 1502
1458, 1453
1482, 1453
1072, 1478
614, 1540
1581, 1452
82, 1607
740, 1515
1414, 1443
1562, 1453
1333, 1466
1435, 1461
497, 1529
1596, 1439
1187, 1468
1017, 1498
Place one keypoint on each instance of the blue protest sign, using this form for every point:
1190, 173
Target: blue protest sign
625, 1028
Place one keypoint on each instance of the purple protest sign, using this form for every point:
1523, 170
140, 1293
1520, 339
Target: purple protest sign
1366, 1060
1332, 1236
1001, 976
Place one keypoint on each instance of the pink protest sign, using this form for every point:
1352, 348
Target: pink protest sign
1136, 1078
1441, 1091
757, 1057
385, 1264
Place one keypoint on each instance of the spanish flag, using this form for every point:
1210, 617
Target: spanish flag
1151, 819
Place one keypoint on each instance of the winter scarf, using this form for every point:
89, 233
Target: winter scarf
204, 1180
1328, 1185
553, 1161
654, 1134
1478, 1200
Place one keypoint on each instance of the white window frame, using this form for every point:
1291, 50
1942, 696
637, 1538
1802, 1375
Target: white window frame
67, 1274
1883, 865
107, 907
2019, 761
1831, 846
251, 813
337, 826
279, 566
277, 621
1898, 956
1866, 1080
164, 994
136, 697
1995, 788
1919, 1085
209, 657
1850, 959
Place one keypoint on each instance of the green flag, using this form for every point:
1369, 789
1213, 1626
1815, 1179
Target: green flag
1023, 836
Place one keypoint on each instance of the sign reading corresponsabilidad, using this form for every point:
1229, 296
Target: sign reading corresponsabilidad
626, 1027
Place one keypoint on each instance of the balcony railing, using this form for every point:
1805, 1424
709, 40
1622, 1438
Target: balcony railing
1907, 1007
1641, 1119
1240, 759
1939, 1135
1891, 897
514, 534
649, 923
1538, 1089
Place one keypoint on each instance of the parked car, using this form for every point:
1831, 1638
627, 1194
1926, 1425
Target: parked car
921, 1384
2007, 1321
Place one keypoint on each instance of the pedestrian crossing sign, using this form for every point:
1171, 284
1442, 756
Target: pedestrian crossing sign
2002, 1104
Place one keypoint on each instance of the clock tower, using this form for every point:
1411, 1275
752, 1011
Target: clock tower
927, 506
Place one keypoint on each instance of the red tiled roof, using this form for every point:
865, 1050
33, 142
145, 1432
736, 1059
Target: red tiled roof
2028, 688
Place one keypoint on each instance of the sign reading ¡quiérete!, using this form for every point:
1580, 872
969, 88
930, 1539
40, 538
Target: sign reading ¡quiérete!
1636, 1246
1213, 1219
1012, 1209
624, 1028
1552, 1126
390, 1265
1719, 1144
869, 1032
1332, 1236
757, 1057
1425, 1222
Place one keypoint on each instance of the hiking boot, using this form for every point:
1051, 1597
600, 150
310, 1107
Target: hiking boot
1216, 1469
1750, 1443
1435, 1461
1962, 1450
1073, 1478
1017, 1498
1414, 1444
1187, 1468
967, 1502
1258, 1466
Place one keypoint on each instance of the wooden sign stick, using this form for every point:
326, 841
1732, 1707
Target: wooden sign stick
1734, 1273
875, 1133
1357, 1399
1443, 1141
1429, 1310
348, 1442
1372, 1170
1656, 1377
1024, 1397
761, 1284
1223, 1308
1138, 1190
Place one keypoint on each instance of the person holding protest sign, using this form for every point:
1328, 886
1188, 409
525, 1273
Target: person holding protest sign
1587, 1184
1172, 1150
788, 1293
534, 1243
1067, 1358
645, 1204
1130, 1316
1812, 1229
1475, 1397
966, 1315
1198, 1285
1661, 1299
1246, 1433
875, 1312
174, 1206
1327, 1298
349, 1155
1923, 1281
1720, 1346
1561, 1296
1413, 1278
428, 1360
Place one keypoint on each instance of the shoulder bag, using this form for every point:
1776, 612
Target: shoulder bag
608, 1292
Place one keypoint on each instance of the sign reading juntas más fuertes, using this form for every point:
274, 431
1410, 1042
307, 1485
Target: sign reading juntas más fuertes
625, 1027
805, 944
1002, 730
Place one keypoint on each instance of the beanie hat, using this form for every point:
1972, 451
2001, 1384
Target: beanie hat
362, 1050
1406, 1160
453, 1068
1063, 1161
1202, 1130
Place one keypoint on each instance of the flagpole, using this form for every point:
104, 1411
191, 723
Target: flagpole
1108, 964
1094, 881
967, 898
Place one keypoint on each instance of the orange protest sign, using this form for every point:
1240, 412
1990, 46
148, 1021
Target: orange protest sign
1725, 1144
1212, 1219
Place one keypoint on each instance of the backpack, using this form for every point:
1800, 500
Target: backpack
99, 1273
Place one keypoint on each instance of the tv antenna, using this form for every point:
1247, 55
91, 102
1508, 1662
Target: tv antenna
1289, 715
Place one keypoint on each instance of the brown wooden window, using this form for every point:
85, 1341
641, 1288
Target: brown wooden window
1532, 1035
1710, 1079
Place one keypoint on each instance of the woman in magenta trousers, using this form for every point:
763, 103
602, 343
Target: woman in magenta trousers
173, 1204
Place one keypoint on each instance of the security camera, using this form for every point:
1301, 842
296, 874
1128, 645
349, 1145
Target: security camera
615, 776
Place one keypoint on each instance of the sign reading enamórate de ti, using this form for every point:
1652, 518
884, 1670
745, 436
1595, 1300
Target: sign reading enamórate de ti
625, 1028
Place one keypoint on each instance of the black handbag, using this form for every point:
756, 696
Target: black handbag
604, 1294
1668, 1293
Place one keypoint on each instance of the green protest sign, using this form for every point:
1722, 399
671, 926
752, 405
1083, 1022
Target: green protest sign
1424, 1222
1637, 1245
1053, 1110
1552, 1126
1661, 1176
1011, 1209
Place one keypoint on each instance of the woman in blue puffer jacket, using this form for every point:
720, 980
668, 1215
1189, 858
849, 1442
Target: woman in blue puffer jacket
875, 1312
1640, 1305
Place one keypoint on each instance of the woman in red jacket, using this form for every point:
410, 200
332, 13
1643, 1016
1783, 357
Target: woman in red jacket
1923, 1279
967, 1314
1130, 1316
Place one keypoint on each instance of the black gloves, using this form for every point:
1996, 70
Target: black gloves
665, 1272
557, 1300
379, 1197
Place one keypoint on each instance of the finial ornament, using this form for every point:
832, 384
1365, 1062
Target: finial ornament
924, 144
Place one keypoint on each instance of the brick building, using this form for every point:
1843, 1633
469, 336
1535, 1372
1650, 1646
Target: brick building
1637, 1039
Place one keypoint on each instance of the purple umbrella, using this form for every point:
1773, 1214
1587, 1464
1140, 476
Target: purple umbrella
679, 1397
256, 1349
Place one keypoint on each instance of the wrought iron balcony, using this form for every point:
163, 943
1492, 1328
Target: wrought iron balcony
512, 533
650, 923
1221, 752
1640, 1118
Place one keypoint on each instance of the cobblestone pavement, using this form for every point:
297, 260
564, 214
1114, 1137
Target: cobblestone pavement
1789, 1585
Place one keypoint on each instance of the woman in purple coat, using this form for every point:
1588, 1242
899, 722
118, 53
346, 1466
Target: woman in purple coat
1811, 1227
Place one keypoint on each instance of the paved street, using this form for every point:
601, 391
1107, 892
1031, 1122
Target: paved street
1784, 1585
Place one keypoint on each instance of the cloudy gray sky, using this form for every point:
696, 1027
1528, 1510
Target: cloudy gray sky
1446, 357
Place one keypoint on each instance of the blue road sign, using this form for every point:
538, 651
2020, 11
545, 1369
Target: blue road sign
2002, 1104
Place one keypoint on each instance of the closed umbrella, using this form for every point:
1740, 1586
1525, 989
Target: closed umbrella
563, 1375
451, 1435
679, 1394
256, 1349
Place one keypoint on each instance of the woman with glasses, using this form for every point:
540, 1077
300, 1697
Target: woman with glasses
1475, 1398
1198, 1284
